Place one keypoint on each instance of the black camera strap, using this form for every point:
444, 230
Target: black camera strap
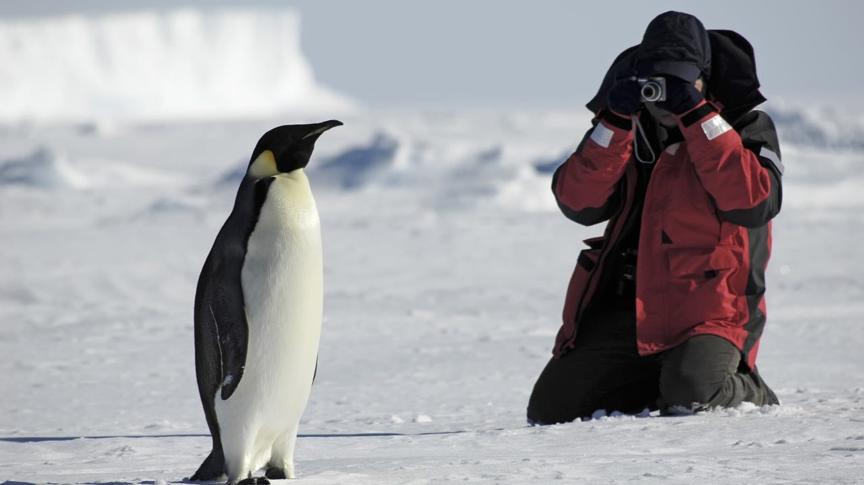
640, 132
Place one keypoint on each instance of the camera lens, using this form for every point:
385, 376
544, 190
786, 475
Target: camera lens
651, 92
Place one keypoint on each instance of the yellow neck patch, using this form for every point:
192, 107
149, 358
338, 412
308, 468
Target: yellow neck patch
264, 165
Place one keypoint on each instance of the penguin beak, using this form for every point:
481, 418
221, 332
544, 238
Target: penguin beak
321, 128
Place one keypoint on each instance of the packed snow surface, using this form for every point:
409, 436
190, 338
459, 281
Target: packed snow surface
446, 263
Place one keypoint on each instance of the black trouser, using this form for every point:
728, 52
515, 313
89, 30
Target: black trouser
605, 371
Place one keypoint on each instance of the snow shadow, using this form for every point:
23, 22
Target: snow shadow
42, 439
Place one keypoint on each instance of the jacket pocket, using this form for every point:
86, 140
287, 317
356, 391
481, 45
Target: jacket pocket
693, 225
577, 291
577, 287
700, 286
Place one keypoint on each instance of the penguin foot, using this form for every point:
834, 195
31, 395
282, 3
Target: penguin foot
254, 481
275, 473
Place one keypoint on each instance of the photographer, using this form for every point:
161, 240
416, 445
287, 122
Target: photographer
665, 311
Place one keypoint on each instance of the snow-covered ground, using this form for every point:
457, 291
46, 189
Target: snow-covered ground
446, 263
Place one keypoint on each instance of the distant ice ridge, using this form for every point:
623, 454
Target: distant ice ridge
359, 166
463, 159
190, 64
818, 128
41, 169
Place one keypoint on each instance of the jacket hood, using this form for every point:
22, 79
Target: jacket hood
732, 83
675, 44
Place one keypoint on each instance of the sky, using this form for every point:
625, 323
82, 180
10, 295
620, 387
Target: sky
538, 54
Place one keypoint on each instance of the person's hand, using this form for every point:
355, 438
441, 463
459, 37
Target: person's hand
681, 96
625, 98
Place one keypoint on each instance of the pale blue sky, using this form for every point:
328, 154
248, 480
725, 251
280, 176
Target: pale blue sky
542, 53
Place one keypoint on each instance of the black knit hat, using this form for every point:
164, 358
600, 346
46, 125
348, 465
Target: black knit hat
675, 44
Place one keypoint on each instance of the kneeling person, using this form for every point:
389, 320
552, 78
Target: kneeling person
666, 309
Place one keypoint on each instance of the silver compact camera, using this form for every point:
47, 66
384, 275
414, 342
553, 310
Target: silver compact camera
653, 89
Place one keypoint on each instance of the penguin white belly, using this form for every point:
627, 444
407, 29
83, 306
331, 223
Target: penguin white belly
283, 295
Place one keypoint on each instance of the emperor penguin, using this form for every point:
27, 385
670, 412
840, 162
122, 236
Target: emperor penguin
258, 309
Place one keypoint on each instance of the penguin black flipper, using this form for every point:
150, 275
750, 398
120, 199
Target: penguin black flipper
228, 317
221, 313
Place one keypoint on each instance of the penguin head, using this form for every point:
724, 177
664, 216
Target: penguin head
286, 148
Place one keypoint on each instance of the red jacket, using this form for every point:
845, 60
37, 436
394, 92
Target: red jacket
705, 236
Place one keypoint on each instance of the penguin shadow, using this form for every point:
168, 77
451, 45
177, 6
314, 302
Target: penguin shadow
43, 439
145, 482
